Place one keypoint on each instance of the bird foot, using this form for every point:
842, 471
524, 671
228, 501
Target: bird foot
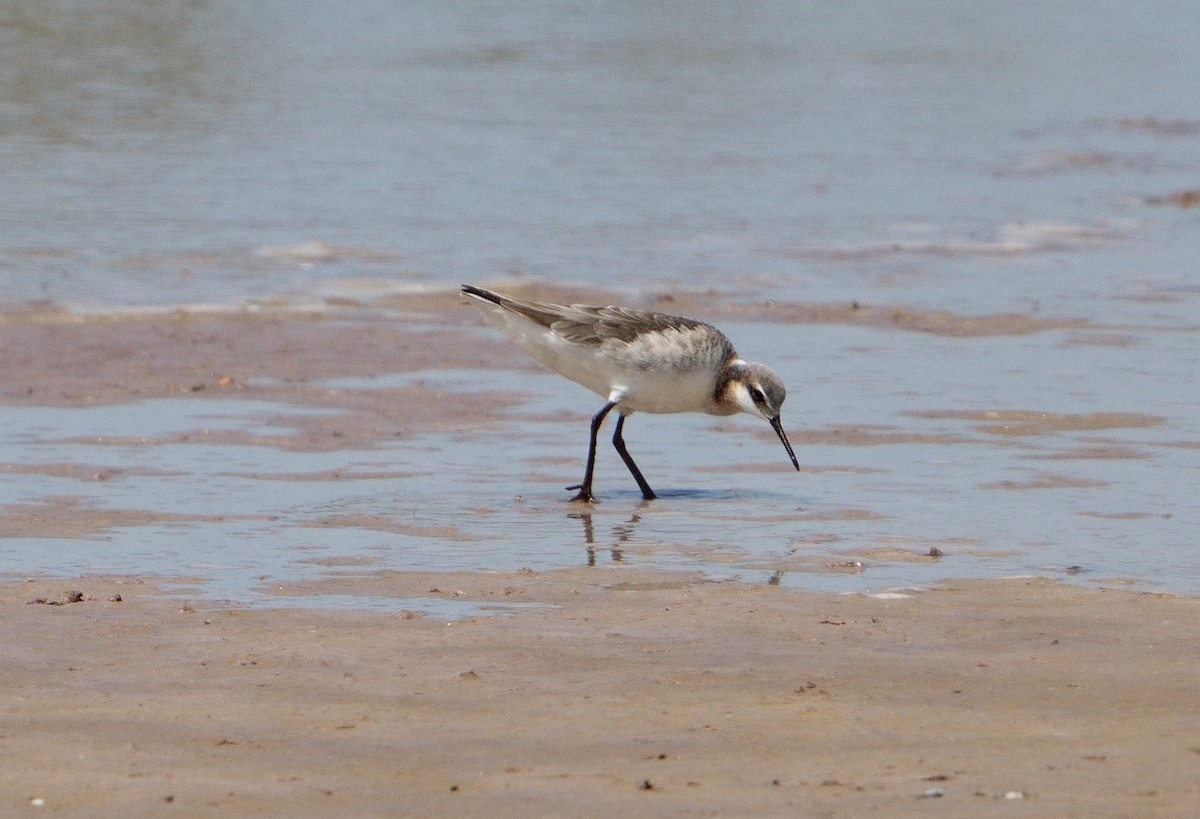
584, 496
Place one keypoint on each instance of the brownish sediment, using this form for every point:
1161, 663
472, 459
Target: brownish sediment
1033, 422
612, 691
70, 517
55, 359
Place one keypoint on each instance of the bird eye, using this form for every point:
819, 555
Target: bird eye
756, 395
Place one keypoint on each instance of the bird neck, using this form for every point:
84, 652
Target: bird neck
725, 393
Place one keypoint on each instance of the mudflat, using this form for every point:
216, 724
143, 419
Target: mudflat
609, 691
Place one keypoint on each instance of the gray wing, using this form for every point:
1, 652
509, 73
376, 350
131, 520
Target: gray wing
592, 326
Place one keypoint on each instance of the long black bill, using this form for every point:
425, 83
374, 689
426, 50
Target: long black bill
778, 425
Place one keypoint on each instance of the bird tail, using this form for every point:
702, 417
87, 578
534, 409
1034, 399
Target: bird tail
481, 294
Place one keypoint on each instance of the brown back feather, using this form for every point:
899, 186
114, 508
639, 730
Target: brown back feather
590, 325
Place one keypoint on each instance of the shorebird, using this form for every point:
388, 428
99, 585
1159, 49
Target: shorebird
638, 362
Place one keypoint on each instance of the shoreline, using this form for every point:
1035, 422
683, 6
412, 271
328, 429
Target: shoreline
622, 690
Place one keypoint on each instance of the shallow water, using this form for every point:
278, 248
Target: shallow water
907, 479
976, 158
973, 160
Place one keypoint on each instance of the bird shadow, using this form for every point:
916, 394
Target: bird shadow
626, 496
728, 494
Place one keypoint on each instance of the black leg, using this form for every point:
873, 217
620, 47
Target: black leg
619, 443
585, 488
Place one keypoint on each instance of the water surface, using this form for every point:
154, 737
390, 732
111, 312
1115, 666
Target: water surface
1038, 159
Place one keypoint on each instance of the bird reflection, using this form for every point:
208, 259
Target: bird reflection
621, 534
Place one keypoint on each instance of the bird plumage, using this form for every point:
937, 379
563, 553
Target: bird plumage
638, 361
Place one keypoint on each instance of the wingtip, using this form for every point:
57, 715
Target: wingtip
479, 293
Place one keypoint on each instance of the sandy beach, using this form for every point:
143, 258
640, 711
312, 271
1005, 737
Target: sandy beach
619, 692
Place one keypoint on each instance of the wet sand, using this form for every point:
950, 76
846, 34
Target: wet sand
55, 358
607, 690
621, 692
